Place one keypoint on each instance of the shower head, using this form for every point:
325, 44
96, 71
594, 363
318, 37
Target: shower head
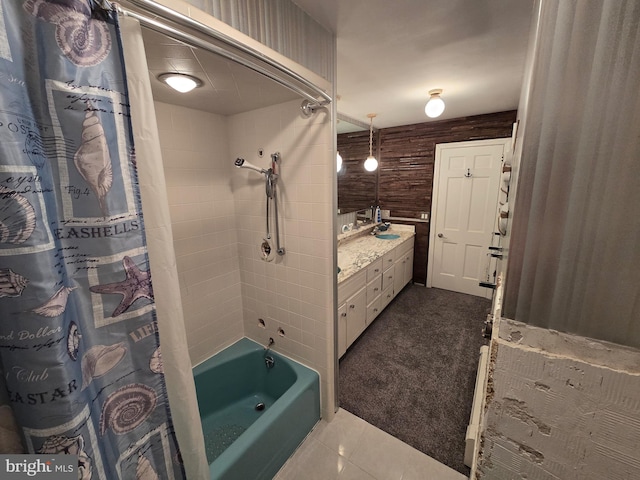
242, 163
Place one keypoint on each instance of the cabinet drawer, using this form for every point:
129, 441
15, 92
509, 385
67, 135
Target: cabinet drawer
386, 297
374, 269
373, 309
388, 259
405, 247
351, 286
374, 289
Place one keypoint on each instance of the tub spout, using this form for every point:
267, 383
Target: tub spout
269, 361
268, 345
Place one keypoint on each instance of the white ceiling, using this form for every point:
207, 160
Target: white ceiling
391, 53
228, 87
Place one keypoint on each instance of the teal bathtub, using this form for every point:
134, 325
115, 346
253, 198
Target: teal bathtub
254, 417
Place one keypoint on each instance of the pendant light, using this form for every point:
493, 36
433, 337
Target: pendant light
435, 105
370, 164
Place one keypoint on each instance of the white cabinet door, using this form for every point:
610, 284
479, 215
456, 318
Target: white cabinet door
356, 314
342, 329
408, 266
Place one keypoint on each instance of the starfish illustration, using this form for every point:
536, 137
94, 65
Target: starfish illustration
136, 285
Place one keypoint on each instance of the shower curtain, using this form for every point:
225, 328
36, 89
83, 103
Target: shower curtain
79, 342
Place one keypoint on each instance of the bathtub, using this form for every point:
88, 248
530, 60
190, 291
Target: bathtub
254, 417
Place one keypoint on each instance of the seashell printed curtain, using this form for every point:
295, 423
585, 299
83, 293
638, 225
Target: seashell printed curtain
79, 349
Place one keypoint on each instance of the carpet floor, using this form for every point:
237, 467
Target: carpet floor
412, 372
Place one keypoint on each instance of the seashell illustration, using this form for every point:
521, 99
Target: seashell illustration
17, 217
99, 359
84, 40
144, 470
73, 341
56, 304
61, 444
11, 283
127, 407
56, 444
155, 364
54, 12
92, 158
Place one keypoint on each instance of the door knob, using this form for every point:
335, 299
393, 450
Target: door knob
440, 235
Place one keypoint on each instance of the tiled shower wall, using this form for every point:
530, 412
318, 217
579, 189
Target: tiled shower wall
293, 292
197, 168
218, 219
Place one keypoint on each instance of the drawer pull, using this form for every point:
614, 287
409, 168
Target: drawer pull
375, 310
344, 314
376, 289
377, 270
352, 306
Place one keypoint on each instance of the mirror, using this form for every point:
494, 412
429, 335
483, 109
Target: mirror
356, 186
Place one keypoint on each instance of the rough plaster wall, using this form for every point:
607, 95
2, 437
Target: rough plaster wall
561, 407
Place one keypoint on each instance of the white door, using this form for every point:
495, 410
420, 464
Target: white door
464, 214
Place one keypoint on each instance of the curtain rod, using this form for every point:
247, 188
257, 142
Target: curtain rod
165, 13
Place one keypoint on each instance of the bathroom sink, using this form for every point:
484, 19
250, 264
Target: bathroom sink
387, 236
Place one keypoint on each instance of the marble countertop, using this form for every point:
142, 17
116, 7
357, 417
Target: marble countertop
358, 252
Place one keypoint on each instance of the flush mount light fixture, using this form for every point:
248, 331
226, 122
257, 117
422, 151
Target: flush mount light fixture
180, 81
435, 105
370, 164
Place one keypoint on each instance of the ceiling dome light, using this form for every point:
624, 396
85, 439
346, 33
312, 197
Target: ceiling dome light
339, 161
371, 164
181, 82
435, 105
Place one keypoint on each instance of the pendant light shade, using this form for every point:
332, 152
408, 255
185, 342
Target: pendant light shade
435, 105
371, 164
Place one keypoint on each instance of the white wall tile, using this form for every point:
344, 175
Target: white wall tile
202, 210
279, 290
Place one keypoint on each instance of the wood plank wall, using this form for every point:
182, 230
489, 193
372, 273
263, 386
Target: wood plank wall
406, 160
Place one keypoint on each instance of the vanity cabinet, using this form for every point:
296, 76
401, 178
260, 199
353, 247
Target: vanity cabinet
363, 296
352, 310
403, 266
